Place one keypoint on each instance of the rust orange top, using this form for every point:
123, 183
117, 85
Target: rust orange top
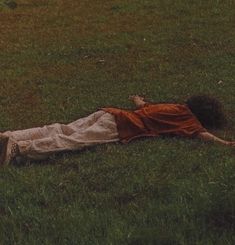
155, 120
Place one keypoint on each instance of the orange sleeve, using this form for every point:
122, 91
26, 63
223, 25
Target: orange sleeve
170, 119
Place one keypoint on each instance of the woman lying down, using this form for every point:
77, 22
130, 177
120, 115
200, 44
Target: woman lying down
189, 120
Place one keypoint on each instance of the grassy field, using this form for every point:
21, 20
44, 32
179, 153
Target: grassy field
61, 60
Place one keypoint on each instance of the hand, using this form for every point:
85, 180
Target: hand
138, 100
210, 137
230, 143
135, 97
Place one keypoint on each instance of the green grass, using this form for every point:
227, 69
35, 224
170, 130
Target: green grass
62, 60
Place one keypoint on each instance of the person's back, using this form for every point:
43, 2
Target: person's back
155, 120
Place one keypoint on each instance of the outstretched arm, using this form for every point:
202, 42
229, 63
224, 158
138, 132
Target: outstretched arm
210, 137
138, 100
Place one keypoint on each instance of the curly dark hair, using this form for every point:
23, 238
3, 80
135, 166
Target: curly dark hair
208, 110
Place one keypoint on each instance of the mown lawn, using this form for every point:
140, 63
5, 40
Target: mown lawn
61, 60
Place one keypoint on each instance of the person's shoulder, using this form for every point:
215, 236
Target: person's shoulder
183, 108
169, 105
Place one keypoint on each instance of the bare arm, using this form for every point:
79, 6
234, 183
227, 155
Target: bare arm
210, 137
138, 100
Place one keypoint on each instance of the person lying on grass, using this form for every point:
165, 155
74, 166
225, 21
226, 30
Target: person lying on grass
190, 120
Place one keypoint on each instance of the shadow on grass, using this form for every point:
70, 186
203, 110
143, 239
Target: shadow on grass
60, 158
